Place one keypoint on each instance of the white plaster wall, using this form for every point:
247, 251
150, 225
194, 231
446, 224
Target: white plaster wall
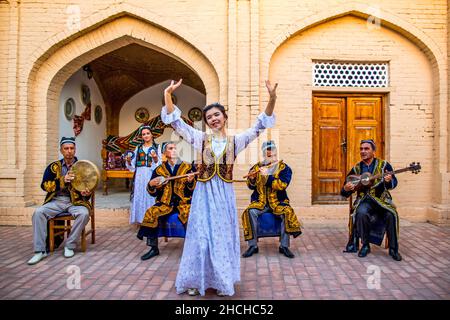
89, 141
151, 98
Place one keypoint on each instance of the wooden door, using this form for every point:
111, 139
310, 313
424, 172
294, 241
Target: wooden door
340, 122
328, 157
363, 122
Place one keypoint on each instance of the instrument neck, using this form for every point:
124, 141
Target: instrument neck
382, 175
270, 164
182, 176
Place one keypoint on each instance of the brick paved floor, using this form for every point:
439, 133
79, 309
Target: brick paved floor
112, 269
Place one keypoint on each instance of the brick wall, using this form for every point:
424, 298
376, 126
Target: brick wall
234, 46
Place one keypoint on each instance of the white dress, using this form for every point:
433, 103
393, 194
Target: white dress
211, 254
141, 200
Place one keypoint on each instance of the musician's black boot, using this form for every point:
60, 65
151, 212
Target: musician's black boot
352, 246
364, 251
250, 251
286, 252
395, 254
154, 251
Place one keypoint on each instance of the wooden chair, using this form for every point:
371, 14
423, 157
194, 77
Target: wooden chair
56, 229
350, 203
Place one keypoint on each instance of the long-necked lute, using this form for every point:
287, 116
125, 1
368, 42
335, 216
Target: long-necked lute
366, 180
164, 180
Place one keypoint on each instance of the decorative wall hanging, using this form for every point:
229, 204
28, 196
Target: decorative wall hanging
87, 112
141, 115
78, 122
98, 114
195, 114
69, 109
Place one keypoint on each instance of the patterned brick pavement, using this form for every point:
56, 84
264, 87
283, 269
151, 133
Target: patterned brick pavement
112, 269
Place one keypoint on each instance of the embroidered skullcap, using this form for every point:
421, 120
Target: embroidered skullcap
270, 144
371, 142
165, 144
67, 140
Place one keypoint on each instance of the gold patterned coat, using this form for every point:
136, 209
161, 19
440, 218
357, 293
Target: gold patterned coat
53, 181
270, 190
175, 195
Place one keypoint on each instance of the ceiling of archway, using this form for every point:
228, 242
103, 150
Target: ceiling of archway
124, 72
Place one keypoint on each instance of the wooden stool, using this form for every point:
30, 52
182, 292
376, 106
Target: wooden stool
61, 229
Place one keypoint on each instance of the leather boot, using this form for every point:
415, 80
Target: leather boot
250, 251
154, 251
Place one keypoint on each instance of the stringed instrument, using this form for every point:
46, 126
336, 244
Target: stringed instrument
366, 180
163, 180
271, 164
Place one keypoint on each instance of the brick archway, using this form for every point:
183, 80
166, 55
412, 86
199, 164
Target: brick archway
421, 40
57, 64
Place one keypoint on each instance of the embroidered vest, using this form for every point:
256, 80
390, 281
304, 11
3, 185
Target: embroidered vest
145, 159
212, 164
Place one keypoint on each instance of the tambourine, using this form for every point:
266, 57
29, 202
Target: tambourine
86, 175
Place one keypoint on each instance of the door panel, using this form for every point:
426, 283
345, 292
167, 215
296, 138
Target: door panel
363, 122
328, 161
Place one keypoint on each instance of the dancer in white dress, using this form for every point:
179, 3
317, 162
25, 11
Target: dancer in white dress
211, 254
147, 156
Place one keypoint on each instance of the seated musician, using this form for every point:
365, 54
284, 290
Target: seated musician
373, 211
268, 180
173, 196
60, 198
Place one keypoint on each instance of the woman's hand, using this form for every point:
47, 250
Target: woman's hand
271, 89
273, 97
154, 155
172, 87
168, 95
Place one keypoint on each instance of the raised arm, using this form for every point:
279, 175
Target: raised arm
168, 95
265, 120
273, 97
170, 114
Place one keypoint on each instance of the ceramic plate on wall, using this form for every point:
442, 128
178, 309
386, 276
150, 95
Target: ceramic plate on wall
195, 114
85, 94
98, 114
141, 115
69, 109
